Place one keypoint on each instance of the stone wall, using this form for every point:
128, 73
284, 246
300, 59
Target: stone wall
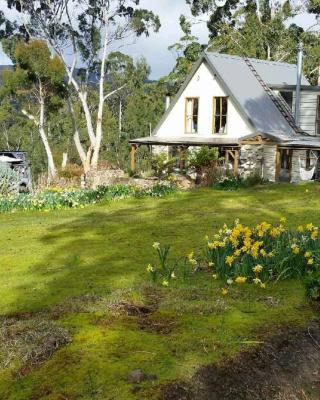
251, 158
106, 177
269, 162
93, 179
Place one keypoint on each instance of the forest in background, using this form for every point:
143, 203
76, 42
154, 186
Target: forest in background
86, 113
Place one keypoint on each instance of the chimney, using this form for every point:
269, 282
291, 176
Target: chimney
168, 101
298, 88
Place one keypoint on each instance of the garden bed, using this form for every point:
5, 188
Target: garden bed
284, 366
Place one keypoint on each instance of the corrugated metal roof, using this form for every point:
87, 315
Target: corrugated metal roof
277, 73
249, 95
272, 72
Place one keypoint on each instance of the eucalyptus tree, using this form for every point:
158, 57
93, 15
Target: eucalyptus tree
36, 86
261, 29
87, 29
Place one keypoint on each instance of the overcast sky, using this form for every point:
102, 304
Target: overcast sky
155, 48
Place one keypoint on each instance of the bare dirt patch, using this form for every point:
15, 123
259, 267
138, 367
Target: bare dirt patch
286, 367
157, 323
29, 341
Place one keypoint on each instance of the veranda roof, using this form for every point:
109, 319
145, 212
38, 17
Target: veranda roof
186, 141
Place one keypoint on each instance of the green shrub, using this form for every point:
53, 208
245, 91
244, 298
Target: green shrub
53, 199
71, 171
231, 183
203, 157
9, 180
162, 164
313, 286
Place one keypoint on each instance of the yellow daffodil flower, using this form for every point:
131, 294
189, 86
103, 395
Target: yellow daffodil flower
241, 279
310, 226
150, 268
257, 269
229, 260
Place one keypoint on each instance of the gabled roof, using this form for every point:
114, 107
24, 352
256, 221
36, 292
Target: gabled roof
248, 93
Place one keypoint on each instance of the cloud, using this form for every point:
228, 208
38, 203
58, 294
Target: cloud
155, 47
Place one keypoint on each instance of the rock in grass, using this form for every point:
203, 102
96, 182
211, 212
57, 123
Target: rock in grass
138, 376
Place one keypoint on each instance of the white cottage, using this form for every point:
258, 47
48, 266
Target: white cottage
245, 108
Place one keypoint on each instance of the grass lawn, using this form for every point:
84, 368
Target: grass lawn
74, 267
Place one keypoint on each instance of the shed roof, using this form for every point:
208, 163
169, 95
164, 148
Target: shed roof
186, 140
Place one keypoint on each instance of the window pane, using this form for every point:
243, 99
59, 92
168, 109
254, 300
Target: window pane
195, 124
192, 110
218, 105
220, 114
223, 124
224, 106
195, 106
217, 124
189, 107
288, 97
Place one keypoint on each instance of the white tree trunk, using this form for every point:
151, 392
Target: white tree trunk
52, 172
64, 160
99, 132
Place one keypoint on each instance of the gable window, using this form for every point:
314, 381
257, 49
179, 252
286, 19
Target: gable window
288, 98
192, 115
318, 117
220, 113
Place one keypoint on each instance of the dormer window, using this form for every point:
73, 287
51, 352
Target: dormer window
192, 115
288, 98
220, 114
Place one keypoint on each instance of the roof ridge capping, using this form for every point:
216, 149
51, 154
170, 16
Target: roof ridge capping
258, 60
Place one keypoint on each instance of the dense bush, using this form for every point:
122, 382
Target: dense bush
203, 157
71, 171
52, 199
313, 286
9, 180
161, 164
231, 183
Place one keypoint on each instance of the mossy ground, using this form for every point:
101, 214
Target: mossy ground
71, 266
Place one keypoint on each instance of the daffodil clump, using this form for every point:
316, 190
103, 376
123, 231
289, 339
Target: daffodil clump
241, 254
56, 199
165, 270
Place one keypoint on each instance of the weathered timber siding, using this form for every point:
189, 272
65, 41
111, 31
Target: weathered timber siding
308, 111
